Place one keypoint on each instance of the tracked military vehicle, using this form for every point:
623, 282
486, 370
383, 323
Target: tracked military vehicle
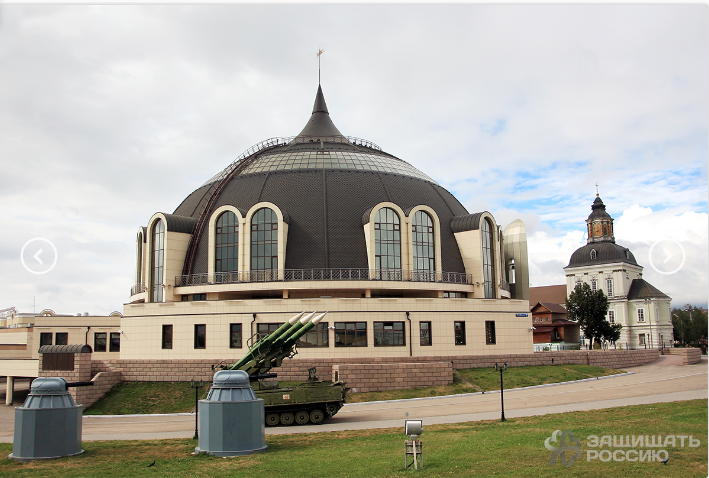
313, 401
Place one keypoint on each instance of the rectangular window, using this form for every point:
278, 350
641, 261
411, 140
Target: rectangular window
100, 342
61, 338
459, 328
200, 336
234, 336
167, 336
115, 345
641, 315
266, 329
455, 295
611, 316
45, 338
594, 285
350, 334
315, 337
425, 333
641, 339
490, 338
609, 287
389, 333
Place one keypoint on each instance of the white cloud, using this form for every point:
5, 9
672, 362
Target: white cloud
111, 113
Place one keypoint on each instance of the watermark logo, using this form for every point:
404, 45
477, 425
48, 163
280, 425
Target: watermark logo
559, 445
632, 448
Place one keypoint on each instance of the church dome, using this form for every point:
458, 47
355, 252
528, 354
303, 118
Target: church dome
323, 182
601, 253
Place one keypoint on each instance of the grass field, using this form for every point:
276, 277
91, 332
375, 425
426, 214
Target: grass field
176, 397
478, 449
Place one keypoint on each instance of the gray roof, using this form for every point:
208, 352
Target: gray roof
65, 349
320, 123
598, 210
467, 222
551, 307
606, 253
178, 223
641, 289
327, 187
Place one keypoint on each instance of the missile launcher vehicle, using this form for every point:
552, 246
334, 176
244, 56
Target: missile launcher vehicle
313, 401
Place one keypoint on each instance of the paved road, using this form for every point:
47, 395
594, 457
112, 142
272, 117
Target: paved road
665, 380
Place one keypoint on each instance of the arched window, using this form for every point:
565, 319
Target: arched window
387, 243
593, 253
157, 260
424, 251
139, 262
226, 254
488, 259
264, 240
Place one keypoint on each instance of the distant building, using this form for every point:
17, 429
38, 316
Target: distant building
642, 309
552, 331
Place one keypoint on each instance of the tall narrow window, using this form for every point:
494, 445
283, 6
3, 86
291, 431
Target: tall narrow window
641, 339
490, 338
611, 316
234, 336
200, 336
594, 285
167, 336
226, 252
115, 344
424, 251
387, 244
100, 342
609, 287
264, 242
139, 262
158, 257
511, 271
425, 333
641, 315
488, 259
45, 338
459, 329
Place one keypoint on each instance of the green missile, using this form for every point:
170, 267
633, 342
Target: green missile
266, 342
292, 330
290, 341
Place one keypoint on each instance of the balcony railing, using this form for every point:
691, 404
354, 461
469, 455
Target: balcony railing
504, 285
137, 289
296, 275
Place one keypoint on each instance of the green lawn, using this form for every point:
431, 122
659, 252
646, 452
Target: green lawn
481, 449
176, 397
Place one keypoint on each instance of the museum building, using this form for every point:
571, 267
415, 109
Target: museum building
326, 222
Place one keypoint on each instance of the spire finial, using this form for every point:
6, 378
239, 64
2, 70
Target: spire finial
596, 189
320, 52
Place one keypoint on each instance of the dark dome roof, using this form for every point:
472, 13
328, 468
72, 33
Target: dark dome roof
598, 210
606, 253
324, 182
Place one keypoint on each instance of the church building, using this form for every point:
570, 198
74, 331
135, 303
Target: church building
326, 222
642, 310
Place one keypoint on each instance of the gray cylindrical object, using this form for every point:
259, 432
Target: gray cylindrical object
231, 419
48, 424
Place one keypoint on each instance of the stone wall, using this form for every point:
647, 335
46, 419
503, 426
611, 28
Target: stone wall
392, 376
689, 355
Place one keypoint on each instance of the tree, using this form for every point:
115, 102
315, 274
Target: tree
589, 308
690, 325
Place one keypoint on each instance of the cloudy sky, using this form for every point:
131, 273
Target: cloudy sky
109, 114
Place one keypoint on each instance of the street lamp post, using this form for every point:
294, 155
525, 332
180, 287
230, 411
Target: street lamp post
501, 368
196, 387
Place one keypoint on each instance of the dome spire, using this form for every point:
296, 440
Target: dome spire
320, 126
597, 189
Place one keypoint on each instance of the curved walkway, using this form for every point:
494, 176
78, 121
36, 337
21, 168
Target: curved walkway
665, 380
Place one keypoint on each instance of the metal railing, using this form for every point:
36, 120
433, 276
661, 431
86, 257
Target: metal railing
294, 275
138, 288
504, 285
